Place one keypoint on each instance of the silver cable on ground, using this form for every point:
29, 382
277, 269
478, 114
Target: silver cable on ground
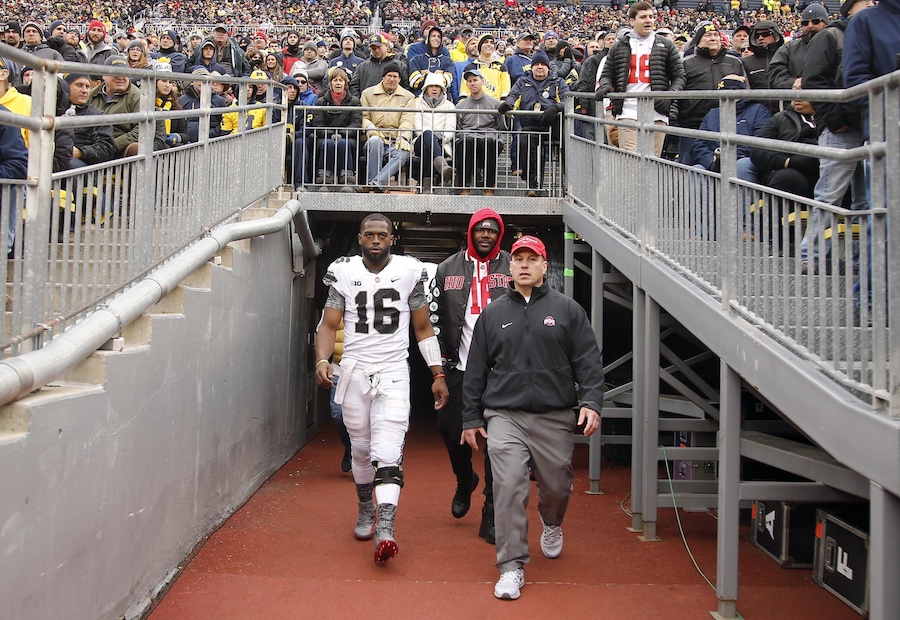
678, 519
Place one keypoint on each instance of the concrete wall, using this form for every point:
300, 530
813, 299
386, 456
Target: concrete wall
106, 487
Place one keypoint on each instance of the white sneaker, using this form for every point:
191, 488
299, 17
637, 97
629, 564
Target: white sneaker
551, 540
509, 584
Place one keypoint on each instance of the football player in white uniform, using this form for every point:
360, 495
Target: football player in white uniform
377, 295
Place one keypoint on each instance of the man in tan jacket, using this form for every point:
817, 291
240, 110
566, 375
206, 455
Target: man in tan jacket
388, 134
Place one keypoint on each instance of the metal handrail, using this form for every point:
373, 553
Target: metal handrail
739, 241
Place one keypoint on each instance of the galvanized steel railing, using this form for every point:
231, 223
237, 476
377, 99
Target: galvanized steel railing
85, 235
741, 242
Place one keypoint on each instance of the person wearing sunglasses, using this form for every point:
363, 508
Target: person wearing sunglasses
765, 39
787, 64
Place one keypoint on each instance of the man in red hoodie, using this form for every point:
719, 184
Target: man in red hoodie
463, 286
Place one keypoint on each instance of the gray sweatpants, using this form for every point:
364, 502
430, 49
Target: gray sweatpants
547, 440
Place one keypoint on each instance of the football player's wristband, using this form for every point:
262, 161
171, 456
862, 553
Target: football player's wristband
321, 361
439, 375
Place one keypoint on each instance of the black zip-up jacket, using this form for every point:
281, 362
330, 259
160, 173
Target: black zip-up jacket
96, 143
528, 356
452, 284
822, 71
666, 71
327, 114
788, 126
704, 72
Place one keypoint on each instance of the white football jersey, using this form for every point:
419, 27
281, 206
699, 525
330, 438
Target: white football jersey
376, 306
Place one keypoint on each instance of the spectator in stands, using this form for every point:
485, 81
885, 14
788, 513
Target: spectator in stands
292, 51
11, 98
477, 141
273, 66
703, 70
563, 63
751, 117
336, 132
13, 165
33, 42
839, 126
254, 57
69, 53
796, 174
347, 58
92, 145
459, 52
302, 152
176, 129
315, 67
434, 58
519, 63
261, 42
370, 72
194, 40
539, 91
388, 134
871, 49
787, 63
120, 42
551, 40
12, 34
170, 51
496, 79
205, 57
641, 62
740, 41
190, 100
118, 95
228, 54
433, 129
765, 39
97, 50
136, 55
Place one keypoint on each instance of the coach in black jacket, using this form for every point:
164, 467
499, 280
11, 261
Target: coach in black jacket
528, 350
664, 70
464, 285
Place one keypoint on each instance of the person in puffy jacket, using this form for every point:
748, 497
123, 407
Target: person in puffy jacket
335, 132
433, 130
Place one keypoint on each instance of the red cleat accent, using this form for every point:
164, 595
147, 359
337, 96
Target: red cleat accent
386, 550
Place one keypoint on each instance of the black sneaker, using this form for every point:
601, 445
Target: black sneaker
345, 462
462, 499
486, 530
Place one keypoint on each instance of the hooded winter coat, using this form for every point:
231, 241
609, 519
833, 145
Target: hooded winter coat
823, 71
703, 72
757, 65
751, 117
452, 287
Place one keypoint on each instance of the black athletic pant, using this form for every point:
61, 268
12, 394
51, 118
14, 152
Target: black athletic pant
450, 425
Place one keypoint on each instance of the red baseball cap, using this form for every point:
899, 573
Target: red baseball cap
532, 243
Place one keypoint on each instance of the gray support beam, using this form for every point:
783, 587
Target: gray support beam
568, 262
884, 555
651, 417
599, 268
637, 418
729, 441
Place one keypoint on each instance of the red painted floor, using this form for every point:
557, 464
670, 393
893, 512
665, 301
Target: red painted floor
290, 553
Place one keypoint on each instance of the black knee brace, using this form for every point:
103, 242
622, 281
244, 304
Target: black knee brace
389, 475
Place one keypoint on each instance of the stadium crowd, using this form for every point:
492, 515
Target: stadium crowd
430, 57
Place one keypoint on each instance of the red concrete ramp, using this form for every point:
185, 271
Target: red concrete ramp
290, 553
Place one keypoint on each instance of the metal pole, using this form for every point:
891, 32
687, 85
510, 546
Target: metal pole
726, 214
598, 272
729, 440
650, 435
637, 418
884, 558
